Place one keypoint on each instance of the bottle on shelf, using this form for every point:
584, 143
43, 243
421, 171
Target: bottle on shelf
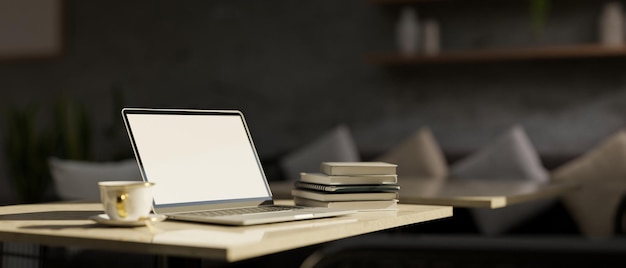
408, 32
432, 37
611, 24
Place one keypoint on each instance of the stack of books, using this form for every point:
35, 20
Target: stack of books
352, 185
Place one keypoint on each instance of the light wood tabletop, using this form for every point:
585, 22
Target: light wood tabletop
478, 193
463, 193
67, 224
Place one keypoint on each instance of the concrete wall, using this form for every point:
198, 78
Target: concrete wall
296, 69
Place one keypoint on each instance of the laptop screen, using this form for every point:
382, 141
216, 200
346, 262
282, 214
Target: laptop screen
196, 157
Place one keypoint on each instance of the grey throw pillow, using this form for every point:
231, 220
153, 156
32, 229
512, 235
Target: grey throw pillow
602, 174
418, 156
510, 156
336, 145
78, 180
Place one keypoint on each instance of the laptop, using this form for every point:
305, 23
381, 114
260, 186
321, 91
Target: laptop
206, 168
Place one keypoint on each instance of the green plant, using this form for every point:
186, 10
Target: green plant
26, 151
29, 145
539, 10
115, 133
72, 129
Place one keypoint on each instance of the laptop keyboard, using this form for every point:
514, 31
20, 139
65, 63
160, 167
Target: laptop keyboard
240, 211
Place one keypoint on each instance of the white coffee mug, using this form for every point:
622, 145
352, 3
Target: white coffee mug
126, 200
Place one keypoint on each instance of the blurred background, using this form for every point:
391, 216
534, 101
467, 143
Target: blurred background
296, 70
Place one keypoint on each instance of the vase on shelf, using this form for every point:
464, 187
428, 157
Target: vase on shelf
611, 25
432, 44
408, 32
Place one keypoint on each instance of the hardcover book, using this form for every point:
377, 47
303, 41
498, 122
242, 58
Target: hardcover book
321, 178
347, 188
358, 168
357, 205
323, 196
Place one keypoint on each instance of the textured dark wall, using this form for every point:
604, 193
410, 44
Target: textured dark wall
296, 69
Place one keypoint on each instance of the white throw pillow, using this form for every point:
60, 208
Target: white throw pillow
336, 145
78, 180
418, 156
509, 157
602, 172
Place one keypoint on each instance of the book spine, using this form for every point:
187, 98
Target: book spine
326, 169
359, 205
344, 196
361, 170
310, 202
348, 179
316, 187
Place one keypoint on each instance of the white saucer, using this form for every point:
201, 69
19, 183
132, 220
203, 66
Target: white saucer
104, 219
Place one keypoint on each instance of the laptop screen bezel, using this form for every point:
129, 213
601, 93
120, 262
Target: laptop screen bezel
203, 205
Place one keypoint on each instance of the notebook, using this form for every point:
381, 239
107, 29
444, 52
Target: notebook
204, 162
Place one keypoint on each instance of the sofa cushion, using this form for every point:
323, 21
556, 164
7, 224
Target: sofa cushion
418, 156
78, 180
510, 156
336, 145
602, 174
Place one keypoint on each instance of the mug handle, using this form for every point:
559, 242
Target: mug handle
121, 205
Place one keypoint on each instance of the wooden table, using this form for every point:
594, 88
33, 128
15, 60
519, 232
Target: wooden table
479, 193
67, 224
463, 193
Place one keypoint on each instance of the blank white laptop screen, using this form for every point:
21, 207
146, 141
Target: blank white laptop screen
195, 158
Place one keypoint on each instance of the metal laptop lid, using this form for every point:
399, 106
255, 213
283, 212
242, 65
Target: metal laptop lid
199, 159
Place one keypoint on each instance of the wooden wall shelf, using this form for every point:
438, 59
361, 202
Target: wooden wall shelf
391, 2
491, 55
382, 2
